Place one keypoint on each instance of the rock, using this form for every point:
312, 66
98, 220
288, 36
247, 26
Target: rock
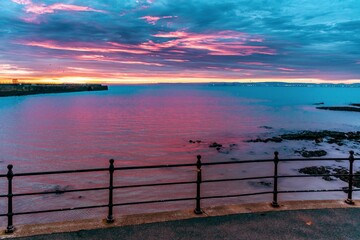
222, 149
319, 103
58, 189
355, 104
314, 170
346, 108
309, 154
273, 139
266, 184
260, 184
215, 145
309, 135
266, 127
342, 171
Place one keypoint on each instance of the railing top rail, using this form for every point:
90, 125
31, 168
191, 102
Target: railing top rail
175, 165
61, 172
312, 159
156, 166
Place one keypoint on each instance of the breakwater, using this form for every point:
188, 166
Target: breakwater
29, 89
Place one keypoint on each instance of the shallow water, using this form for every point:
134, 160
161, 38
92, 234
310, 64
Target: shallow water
144, 125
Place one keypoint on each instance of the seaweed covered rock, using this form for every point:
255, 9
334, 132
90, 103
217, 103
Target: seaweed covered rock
309, 154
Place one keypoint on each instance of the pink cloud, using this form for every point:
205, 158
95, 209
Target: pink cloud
39, 9
153, 19
217, 43
255, 63
43, 9
176, 60
23, 2
86, 47
10, 69
286, 69
101, 58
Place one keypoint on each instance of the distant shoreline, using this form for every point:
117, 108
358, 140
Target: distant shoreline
7, 90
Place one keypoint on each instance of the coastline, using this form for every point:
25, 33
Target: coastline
7, 90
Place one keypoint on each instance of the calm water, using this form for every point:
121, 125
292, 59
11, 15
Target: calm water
144, 125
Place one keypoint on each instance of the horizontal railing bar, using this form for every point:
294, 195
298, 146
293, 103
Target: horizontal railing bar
311, 159
154, 201
237, 162
60, 209
236, 195
154, 184
156, 166
317, 175
312, 190
60, 172
3, 215
235, 179
60, 191
2, 175
1, 196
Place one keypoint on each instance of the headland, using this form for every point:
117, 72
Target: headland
30, 89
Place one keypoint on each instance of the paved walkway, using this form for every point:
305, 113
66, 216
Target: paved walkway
329, 224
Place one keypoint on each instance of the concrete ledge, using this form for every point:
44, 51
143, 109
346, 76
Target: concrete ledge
137, 219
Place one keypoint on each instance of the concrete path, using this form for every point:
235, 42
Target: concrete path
329, 224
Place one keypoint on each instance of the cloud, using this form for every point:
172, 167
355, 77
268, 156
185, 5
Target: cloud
86, 47
37, 9
43, 9
10, 69
227, 43
153, 19
102, 58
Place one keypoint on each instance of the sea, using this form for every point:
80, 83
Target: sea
141, 125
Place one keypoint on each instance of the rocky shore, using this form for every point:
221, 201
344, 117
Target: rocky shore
354, 107
316, 136
30, 89
338, 172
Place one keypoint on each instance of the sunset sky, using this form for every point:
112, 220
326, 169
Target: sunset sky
149, 41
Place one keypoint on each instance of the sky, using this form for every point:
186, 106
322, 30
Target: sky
151, 41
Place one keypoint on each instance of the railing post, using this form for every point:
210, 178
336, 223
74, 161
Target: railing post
275, 193
350, 190
10, 228
198, 209
110, 218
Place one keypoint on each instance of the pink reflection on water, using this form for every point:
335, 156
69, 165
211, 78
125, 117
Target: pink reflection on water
77, 131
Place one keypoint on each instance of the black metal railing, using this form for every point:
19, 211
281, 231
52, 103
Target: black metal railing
199, 181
